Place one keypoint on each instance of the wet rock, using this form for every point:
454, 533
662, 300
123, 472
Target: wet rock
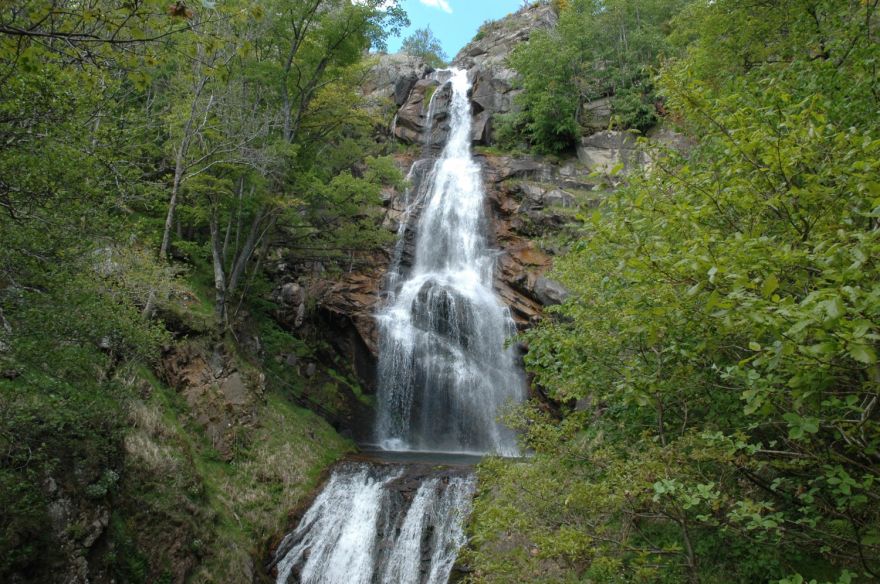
412, 116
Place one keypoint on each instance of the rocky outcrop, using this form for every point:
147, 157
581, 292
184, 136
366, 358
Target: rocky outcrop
610, 149
485, 57
423, 117
531, 198
222, 396
393, 76
495, 40
77, 525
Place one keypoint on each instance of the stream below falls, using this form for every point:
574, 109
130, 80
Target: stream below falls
445, 376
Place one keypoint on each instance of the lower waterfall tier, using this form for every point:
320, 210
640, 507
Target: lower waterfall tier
379, 523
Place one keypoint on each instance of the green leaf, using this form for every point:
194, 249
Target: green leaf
771, 283
863, 353
834, 308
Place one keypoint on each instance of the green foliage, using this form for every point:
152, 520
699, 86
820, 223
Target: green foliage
423, 44
182, 507
722, 336
598, 49
217, 127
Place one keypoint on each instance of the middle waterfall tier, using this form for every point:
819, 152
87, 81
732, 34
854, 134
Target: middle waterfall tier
445, 372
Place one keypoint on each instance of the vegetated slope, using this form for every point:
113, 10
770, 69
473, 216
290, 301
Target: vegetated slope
718, 353
154, 153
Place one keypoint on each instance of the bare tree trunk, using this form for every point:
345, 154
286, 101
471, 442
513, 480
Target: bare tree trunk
219, 274
180, 166
693, 575
150, 307
228, 235
264, 248
172, 204
257, 233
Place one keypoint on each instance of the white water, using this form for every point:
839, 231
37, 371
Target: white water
361, 530
444, 377
444, 372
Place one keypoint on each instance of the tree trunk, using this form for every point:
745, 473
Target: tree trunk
247, 250
172, 206
180, 166
219, 274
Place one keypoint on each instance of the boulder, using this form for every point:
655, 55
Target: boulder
596, 114
559, 198
481, 130
603, 151
402, 87
550, 292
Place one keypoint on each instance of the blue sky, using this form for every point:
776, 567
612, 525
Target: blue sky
454, 22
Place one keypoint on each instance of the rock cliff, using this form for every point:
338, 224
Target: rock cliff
528, 198
534, 203
485, 58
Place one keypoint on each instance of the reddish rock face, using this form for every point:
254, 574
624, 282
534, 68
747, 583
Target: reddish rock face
222, 399
352, 300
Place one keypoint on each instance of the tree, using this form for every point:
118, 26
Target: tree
597, 50
722, 337
248, 146
213, 129
423, 44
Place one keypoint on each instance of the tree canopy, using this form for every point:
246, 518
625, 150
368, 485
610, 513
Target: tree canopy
718, 357
423, 44
148, 147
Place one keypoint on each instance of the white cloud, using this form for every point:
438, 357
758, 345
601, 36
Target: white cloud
441, 4
383, 6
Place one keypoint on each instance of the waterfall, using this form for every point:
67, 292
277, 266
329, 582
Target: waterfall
362, 529
445, 375
444, 371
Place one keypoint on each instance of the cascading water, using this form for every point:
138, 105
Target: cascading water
444, 377
444, 372
361, 529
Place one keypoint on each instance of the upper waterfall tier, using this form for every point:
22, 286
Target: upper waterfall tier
445, 374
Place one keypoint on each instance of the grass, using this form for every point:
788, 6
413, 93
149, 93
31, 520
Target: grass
429, 93
223, 512
253, 494
184, 510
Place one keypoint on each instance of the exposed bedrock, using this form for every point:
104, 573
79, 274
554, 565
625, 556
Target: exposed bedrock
531, 202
